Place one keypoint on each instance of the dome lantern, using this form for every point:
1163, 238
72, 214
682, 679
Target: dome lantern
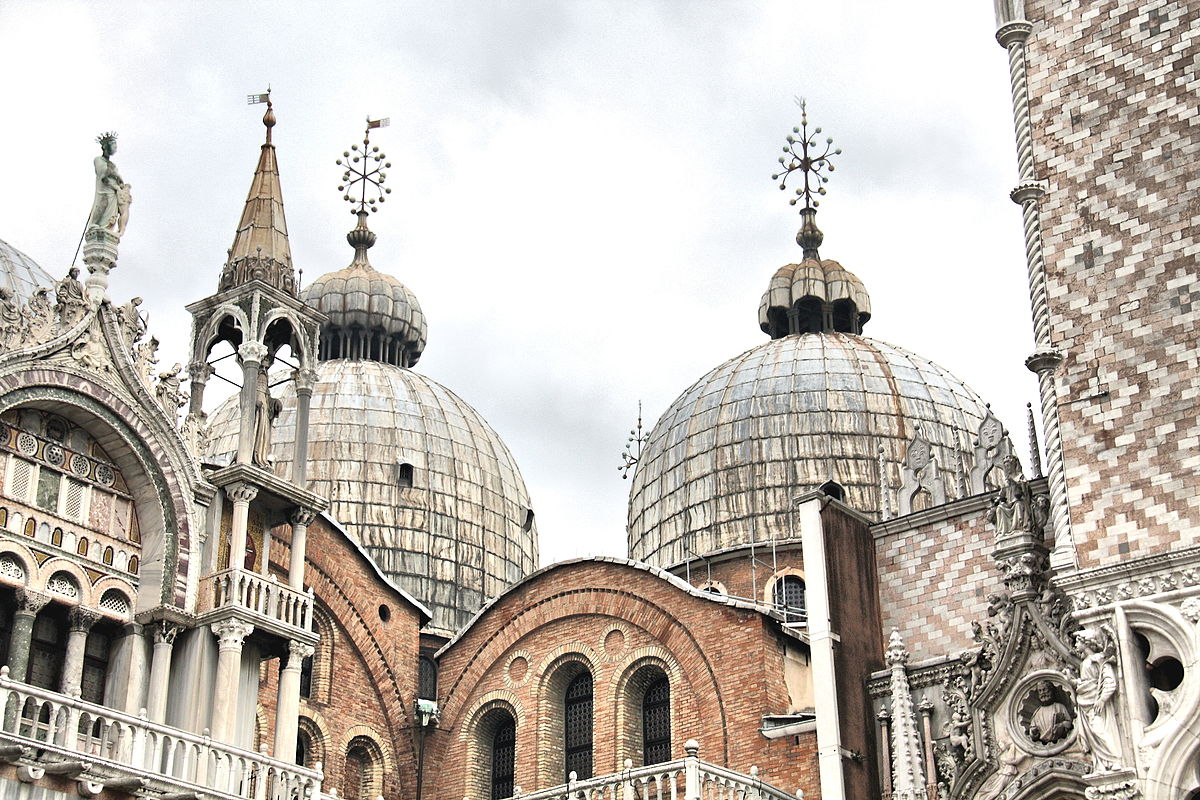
372, 316
817, 295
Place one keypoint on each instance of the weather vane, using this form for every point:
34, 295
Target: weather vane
364, 176
633, 446
805, 154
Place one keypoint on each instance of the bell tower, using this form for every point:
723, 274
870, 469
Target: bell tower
252, 613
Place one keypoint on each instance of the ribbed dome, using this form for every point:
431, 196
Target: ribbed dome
372, 316
20, 273
361, 300
416, 476
813, 296
723, 463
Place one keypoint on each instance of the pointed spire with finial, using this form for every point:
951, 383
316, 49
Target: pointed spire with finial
812, 159
260, 248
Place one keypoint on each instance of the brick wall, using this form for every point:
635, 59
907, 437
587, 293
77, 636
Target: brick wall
365, 668
725, 666
1113, 87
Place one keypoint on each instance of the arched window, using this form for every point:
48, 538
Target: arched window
504, 758
306, 672
355, 774
310, 748
304, 749
362, 778
789, 598
404, 478
656, 722
577, 730
427, 679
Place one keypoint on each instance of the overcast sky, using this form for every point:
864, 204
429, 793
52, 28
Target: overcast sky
581, 195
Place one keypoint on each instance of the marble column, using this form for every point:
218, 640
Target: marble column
287, 706
81, 621
198, 375
29, 603
160, 670
231, 635
251, 355
306, 380
135, 681
301, 519
241, 494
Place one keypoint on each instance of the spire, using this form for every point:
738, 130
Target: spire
907, 772
260, 248
810, 160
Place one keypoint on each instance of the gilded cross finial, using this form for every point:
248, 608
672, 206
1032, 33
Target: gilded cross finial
804, 154
363, 179
809, 158
633, 446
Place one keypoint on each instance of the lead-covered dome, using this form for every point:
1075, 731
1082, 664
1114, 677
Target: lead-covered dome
722, 465
416, 476
20, 273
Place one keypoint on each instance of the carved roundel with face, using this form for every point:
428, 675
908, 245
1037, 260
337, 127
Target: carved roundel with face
1043, 716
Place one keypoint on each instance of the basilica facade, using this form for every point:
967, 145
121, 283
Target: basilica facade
841, 582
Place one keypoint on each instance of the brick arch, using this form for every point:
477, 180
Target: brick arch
630, 607
556, 671
161, 489
331, 594
311, 723
22, 554
628, 691
477, 732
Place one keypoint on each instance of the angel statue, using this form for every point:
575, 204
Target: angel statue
110, 208
1095, 694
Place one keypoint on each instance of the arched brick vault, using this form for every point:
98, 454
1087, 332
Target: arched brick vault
387, 684
730, 657
139, 452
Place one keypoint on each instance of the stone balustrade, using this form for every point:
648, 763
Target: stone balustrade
262, 595
118, 750
686, 778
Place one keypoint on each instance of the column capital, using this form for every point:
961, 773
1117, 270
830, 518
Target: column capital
1044, 361
231, 633
241, 492
30, 602
1014, 32
199, 371
297, 652
252, 351
1026, 191
302, 516
305, 379
82, 619
165, 632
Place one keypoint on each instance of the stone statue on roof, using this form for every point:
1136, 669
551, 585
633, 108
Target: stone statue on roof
110, 208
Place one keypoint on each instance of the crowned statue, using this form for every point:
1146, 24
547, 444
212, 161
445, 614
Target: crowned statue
110, 208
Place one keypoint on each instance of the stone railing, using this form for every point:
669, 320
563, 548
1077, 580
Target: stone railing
686, 778
262, 595
124, 751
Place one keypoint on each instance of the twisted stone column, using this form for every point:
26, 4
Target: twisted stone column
1045, 361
